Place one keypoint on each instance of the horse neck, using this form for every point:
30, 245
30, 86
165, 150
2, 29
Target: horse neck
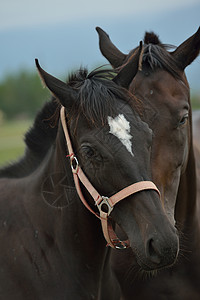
186, 203
75, 229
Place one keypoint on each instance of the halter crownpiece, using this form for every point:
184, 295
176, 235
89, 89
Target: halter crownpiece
104, 204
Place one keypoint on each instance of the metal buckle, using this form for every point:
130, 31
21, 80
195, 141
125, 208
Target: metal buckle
74, 167
120, 246
104, 205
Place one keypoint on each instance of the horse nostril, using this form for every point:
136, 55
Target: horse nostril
152, 252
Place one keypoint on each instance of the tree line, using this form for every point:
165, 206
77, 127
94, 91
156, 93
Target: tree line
22, 95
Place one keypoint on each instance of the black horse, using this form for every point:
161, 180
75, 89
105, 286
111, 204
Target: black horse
163, 90
52, 247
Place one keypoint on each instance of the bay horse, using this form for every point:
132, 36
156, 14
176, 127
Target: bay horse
52, 246
163, 91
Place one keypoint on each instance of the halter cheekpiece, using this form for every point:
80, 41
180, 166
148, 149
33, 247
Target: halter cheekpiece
104, 204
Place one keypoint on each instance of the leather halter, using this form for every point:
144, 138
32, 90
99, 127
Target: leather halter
104, 204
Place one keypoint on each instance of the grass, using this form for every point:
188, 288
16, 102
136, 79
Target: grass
11, 140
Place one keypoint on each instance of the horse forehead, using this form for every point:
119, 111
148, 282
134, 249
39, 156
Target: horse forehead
160, 85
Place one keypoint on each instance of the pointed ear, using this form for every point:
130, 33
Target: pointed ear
128, 72
58, 88
188, 50
115, 57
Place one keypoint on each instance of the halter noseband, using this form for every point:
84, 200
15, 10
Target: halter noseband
105, 204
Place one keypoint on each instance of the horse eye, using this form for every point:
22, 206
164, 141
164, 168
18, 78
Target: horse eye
88, 151
184, 119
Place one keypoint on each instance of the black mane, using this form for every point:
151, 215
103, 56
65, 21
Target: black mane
151, 38
96, 94
44, 130
157, 56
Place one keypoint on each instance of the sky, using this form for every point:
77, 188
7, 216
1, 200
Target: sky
62, 33
18, 13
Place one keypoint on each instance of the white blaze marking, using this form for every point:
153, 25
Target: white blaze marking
120, 128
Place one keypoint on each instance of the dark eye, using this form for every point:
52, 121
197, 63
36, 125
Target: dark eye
90, 154
184, 119
88, 151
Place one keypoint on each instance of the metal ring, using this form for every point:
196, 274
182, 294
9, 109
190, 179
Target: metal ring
74, 168
106, 203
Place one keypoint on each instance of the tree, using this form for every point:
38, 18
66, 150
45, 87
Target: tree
22, 94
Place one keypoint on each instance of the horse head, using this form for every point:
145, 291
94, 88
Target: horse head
163, 90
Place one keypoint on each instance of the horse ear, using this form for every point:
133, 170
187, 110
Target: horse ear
188, 50
128, 72
115, 57
58, 88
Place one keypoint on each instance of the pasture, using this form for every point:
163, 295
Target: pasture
11, 139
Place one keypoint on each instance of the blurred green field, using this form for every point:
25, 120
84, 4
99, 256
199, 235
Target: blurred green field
11, 140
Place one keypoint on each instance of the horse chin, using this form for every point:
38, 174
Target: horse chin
150, 266
151, 269
137, 267
143, 274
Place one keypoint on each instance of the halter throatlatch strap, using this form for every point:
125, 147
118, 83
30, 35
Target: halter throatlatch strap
105, 204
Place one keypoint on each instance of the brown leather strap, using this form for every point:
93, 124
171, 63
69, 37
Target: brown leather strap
64, 125
110, 235
76, 170
101, 201
78, 189
132, 189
